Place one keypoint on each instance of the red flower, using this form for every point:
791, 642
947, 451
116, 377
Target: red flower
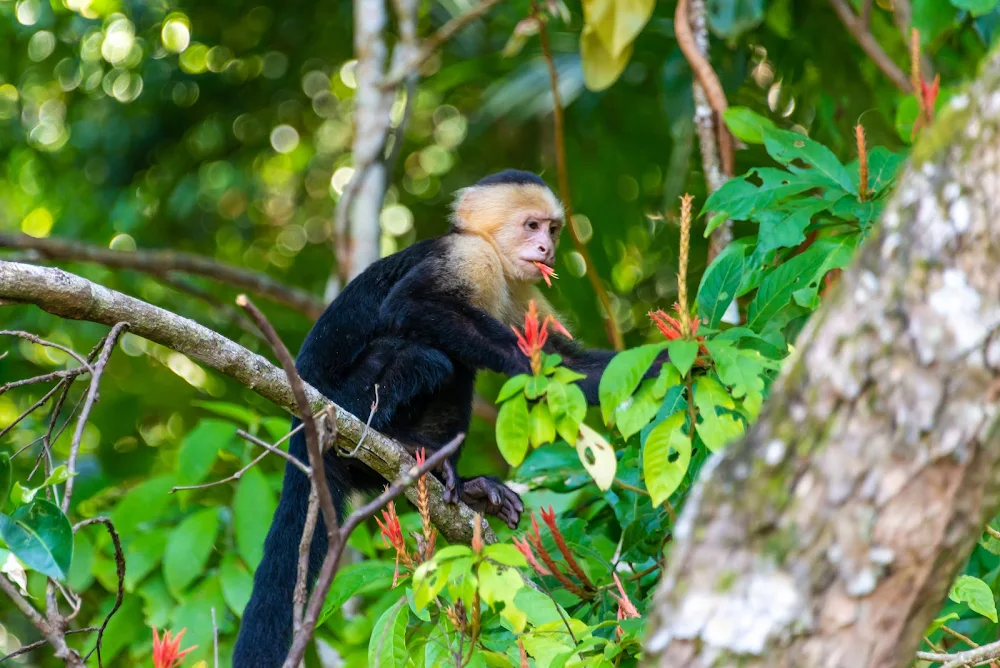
928, 94
525, 549
535, 335
547, 272
166, 652
392, 535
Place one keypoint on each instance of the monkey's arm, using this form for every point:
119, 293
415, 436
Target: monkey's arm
592, 362
417, 309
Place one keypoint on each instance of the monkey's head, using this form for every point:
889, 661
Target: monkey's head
517, 213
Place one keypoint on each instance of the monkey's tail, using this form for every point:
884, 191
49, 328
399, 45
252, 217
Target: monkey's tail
266, 629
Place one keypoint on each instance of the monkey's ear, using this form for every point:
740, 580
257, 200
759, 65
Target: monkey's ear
460, 208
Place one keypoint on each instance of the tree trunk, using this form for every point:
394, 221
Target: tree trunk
830, 535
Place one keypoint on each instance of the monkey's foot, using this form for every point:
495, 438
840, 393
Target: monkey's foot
452, 483
492, 497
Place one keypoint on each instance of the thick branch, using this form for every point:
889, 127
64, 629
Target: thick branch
164, 261
830, 535
70, 296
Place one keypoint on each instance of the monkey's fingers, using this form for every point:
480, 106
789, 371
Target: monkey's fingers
452, 491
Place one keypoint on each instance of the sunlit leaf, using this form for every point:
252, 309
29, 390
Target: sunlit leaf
513, 385
622, 376
41, 537
665, 458
598, 457
253, 507
501, 586
746, 125
543, 429
683, 354
976, 593
636, 412
600, 68
714, 429
617, 22
513, 429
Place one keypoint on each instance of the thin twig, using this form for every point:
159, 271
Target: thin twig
300, 595
435, 42
368, 425
613, 329
120, 570
95, 380
161, 262
38, 643
632, 488
31, 409
215, 639
238, 474
42, 342
305, 412
870, 45
61, 375
288, 457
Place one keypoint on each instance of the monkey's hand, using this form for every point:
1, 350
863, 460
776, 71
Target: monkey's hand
484, 495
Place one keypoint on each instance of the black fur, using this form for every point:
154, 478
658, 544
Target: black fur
406, 324
512, 177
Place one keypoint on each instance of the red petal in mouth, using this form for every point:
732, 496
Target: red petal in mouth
548, 272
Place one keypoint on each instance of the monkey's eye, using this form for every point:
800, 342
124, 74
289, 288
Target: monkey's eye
532, 224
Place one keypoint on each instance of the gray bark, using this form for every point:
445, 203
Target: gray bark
830, 535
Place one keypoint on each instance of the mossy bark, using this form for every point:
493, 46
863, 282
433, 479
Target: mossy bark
830, 535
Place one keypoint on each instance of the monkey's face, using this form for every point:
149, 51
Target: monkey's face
523, 221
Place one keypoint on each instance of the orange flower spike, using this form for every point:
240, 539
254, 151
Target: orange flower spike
167, 652
550, 521
525, 548
558, 326
392, 531
668, 326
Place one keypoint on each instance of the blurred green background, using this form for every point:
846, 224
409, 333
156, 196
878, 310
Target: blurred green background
224, 128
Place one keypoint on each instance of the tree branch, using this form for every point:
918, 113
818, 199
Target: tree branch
710, 104
166, 261
70, 296
859, 29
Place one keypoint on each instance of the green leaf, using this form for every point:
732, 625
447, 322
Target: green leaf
785, 228
351, 579
21, 495
512, 387
741, 369
143, 503
637, 411
746, 125
199, 448
718, 287
939, 622
715, 430
668, 377
501, 586
932, 18
59, 475
513, 429
786, 146
237, 584
777, 287
622, 375
428, 581
41, 537
543, 429
683, 354
566, 375
556, 396
550, 363
731, 18
976, 593
143, 553
536, 386
665, 458
5, 478
505, 553
976, 7
253, 507
883, 167
188, 549
739, 198
715, 221
568, 425
387, 648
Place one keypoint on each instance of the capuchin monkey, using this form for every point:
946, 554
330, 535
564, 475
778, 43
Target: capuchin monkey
420, 323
